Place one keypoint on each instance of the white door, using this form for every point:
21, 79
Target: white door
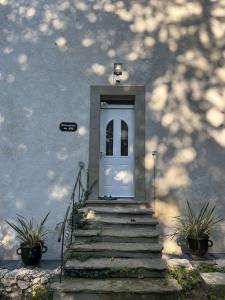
116, 176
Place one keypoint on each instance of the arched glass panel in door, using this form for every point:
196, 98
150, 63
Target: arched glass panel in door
109, 139
124, 139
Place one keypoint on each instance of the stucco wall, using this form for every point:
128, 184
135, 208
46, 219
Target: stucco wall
52, 51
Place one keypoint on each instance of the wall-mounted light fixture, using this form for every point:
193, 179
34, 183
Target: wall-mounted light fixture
118, 71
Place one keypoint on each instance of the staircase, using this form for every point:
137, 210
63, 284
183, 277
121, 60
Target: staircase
116, 255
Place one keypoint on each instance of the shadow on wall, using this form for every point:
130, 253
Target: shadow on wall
176, 48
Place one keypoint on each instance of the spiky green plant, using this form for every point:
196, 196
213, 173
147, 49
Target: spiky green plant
196, 225
27, 232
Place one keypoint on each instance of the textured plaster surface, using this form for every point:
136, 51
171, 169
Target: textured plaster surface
53, 51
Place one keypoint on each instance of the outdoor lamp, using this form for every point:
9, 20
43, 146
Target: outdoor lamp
117, 71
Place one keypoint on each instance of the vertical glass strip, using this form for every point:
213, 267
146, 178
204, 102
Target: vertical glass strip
124, 139
109, 139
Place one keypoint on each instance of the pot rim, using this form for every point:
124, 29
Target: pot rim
205, 237
37, 244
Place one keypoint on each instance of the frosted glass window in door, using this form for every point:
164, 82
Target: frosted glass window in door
124, 139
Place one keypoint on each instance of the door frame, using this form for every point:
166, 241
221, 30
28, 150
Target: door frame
125, 94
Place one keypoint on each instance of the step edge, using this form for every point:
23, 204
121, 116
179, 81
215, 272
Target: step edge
81, 247
125, 200
170, 286
141, 213
71, 265
89, 234
150, 220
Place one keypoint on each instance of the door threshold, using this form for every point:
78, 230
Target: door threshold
108, 198
116, 198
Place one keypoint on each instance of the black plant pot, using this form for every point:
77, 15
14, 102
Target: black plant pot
182, 243
31, 256
199, 247
78, 221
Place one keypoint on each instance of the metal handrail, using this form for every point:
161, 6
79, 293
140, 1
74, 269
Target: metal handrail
61, 237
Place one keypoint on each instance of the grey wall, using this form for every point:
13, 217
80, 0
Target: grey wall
52, 51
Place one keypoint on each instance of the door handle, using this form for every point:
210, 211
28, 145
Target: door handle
102, 154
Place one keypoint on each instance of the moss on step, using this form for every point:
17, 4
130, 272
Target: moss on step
88, 240
208, 268
81, 256
111, 272
188, 279
93, 273
99, 231
191, 282
1, 285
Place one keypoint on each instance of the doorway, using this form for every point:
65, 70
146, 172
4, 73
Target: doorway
125, 145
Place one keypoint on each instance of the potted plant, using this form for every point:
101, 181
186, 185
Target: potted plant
32, 240
77, 218
196, 228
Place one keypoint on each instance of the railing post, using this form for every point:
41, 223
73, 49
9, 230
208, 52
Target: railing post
72, 221
62, 260
79, 187
154, 154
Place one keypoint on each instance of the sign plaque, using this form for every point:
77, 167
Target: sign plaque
68, 126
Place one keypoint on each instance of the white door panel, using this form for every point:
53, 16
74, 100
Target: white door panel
117, 157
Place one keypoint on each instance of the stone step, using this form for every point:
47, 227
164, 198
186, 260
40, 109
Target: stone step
125, 235
119, 202
214, 283
115, 267
130, 212
107, 249
116, 289
119, 222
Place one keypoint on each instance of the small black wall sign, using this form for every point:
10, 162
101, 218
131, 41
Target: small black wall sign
68, 126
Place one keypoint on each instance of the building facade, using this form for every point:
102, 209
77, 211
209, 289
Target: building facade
57, 62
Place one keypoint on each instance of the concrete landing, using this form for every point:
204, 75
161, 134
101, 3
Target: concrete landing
214, 283
118, 202
121, 201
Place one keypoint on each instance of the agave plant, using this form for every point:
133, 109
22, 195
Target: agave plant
196, 225
27, 232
